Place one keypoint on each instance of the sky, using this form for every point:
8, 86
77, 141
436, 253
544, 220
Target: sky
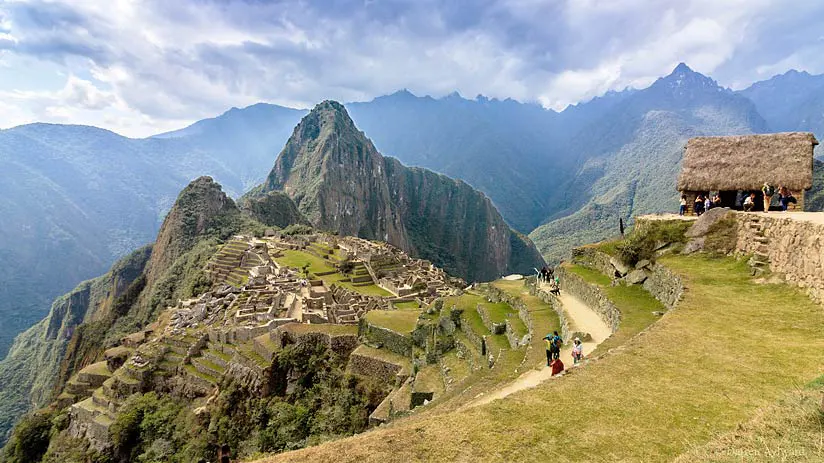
140, 67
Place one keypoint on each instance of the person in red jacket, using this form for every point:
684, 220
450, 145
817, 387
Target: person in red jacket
557, 367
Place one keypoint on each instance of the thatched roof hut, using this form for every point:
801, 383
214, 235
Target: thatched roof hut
745, 162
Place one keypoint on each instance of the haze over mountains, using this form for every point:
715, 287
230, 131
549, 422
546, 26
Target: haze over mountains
78, 197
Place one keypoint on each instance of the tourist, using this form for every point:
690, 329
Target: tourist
557, 367
577, 351
549, 273
749, 202
707, 203
698, 207
682, 209
716, 200
554, 289
549, 349
768, 191
557, 342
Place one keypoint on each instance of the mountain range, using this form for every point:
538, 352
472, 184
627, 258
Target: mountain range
76, 198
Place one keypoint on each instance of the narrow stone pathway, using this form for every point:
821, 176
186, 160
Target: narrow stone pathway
580, 318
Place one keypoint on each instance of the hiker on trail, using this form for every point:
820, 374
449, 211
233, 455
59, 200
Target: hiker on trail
557, 342
542, 276
749, 202
683, 208
698, 207
577, 351
768, 191
549, 349
557, 367
549, 273
554, 289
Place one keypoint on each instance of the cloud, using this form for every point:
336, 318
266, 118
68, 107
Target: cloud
165, 61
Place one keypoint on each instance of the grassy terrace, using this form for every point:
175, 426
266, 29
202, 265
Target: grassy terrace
730, 350
321, 328
636, 306
297, 259
407, 305
544, 320
399, 321
384, 355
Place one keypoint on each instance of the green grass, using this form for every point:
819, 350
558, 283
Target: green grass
99, 369
297, 259
729, 349
224, 356
407, 305
498, 312
194, 371
429, 379
589, 275
635, 304
399, 321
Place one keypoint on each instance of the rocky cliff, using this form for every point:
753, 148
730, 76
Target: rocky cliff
341, 183
92, 317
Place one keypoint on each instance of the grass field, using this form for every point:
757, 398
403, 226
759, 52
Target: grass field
728, 350
399, 321
297, 259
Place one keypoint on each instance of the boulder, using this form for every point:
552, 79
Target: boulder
643, 263
702, 226
636, 277
621, 268
694, 245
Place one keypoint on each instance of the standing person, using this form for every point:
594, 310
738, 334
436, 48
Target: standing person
577, 351
768, 191
716, 200
682, 209
557, 342
699, 205
550, 349
707, 203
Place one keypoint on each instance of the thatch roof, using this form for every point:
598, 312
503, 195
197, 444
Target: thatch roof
745, 162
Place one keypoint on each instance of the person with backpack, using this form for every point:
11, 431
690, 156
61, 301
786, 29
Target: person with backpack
550, 349
768, 191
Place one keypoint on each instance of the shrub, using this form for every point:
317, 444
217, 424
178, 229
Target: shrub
642, 242
30, 440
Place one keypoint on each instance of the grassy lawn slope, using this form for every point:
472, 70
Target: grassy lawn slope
731, 348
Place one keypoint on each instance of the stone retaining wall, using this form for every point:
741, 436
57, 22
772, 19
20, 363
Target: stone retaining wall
494, 294
388, 372
592, 296
794, 247
664, 285
388, 339
494, 328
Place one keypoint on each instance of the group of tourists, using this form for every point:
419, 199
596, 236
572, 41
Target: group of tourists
547, 275
703, 202
785, 198
553, 352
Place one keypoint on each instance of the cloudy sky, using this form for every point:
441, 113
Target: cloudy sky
143, 66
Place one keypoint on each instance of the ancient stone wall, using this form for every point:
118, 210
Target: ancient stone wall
664, 285
590, 295
386, 338
375, 368
794, 247
494, 328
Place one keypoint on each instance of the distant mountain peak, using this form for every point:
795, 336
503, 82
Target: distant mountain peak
683, 77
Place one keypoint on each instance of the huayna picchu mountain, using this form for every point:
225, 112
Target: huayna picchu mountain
342, 184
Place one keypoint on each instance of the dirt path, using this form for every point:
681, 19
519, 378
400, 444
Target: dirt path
580, 318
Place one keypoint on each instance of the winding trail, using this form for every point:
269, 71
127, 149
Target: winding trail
580, 318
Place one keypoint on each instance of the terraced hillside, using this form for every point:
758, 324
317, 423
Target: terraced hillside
689, 383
